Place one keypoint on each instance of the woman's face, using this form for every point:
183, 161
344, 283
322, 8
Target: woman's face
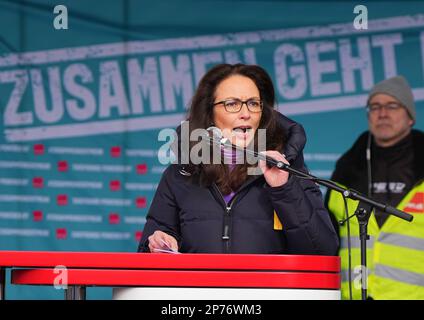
239, 127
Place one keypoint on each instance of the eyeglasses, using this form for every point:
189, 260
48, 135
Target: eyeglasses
391, 106
235, 105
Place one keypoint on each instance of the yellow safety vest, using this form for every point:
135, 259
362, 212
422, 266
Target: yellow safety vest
395, 253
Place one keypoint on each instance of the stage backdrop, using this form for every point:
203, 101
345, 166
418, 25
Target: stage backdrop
81, 107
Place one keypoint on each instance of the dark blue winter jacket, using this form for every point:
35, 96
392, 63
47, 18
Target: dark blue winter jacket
202, 222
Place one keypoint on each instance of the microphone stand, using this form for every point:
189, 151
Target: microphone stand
363, 211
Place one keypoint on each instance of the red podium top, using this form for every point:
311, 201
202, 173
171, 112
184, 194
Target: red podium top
112, 260
182, 278
175, 270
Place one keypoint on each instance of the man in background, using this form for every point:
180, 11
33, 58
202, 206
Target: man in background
387, 164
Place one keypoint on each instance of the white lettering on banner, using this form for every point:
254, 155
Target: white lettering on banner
100, 235
74, 217
329, 157
162, 80
144, 83
387, 43
320, 67
45, 114
284, 74
25, 165
14, 148
75, 184
141, 186
93, 128
141, 153
135, 220
112, 92
14, 215
100, 168
158, 170
11, 115
13, 182
102, 201
88, 108
362, 63
8, 232
176, 79
22, 198
76, 151
326, 174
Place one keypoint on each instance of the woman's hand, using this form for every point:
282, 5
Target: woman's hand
274, 176
163, 241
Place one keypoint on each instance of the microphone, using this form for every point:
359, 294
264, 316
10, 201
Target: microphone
218, 139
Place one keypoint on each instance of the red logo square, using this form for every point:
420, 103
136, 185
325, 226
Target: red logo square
37, 182
37, 215
141, 202
61, 233
114, 218
62, 166
115, 151
138, 235
141, 168
38, 149
115, 185
62, 200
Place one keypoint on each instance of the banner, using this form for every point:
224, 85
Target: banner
81, 112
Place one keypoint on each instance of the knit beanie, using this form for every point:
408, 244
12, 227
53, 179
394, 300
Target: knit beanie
398, 88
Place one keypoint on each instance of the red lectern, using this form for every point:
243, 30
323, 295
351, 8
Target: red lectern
181, 276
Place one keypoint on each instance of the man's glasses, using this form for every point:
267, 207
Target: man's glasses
235, 105
391, 106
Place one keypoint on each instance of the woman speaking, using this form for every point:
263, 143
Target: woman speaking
220, 207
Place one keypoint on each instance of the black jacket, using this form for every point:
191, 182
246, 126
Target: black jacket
197, 217
351, 168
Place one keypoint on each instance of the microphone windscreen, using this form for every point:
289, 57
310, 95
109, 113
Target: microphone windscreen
215, 131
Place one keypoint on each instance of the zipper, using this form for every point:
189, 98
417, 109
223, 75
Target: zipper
227, 219
227, 216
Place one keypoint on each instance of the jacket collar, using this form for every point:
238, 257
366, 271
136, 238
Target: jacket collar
355, 157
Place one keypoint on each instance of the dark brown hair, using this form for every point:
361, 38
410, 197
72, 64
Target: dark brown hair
201, 116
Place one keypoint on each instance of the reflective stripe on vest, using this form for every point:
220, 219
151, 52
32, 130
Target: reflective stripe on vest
402, 241
397, 250
355, 242
345, 275
396, 274
355, 272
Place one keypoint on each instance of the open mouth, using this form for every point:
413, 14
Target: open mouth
242, 131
